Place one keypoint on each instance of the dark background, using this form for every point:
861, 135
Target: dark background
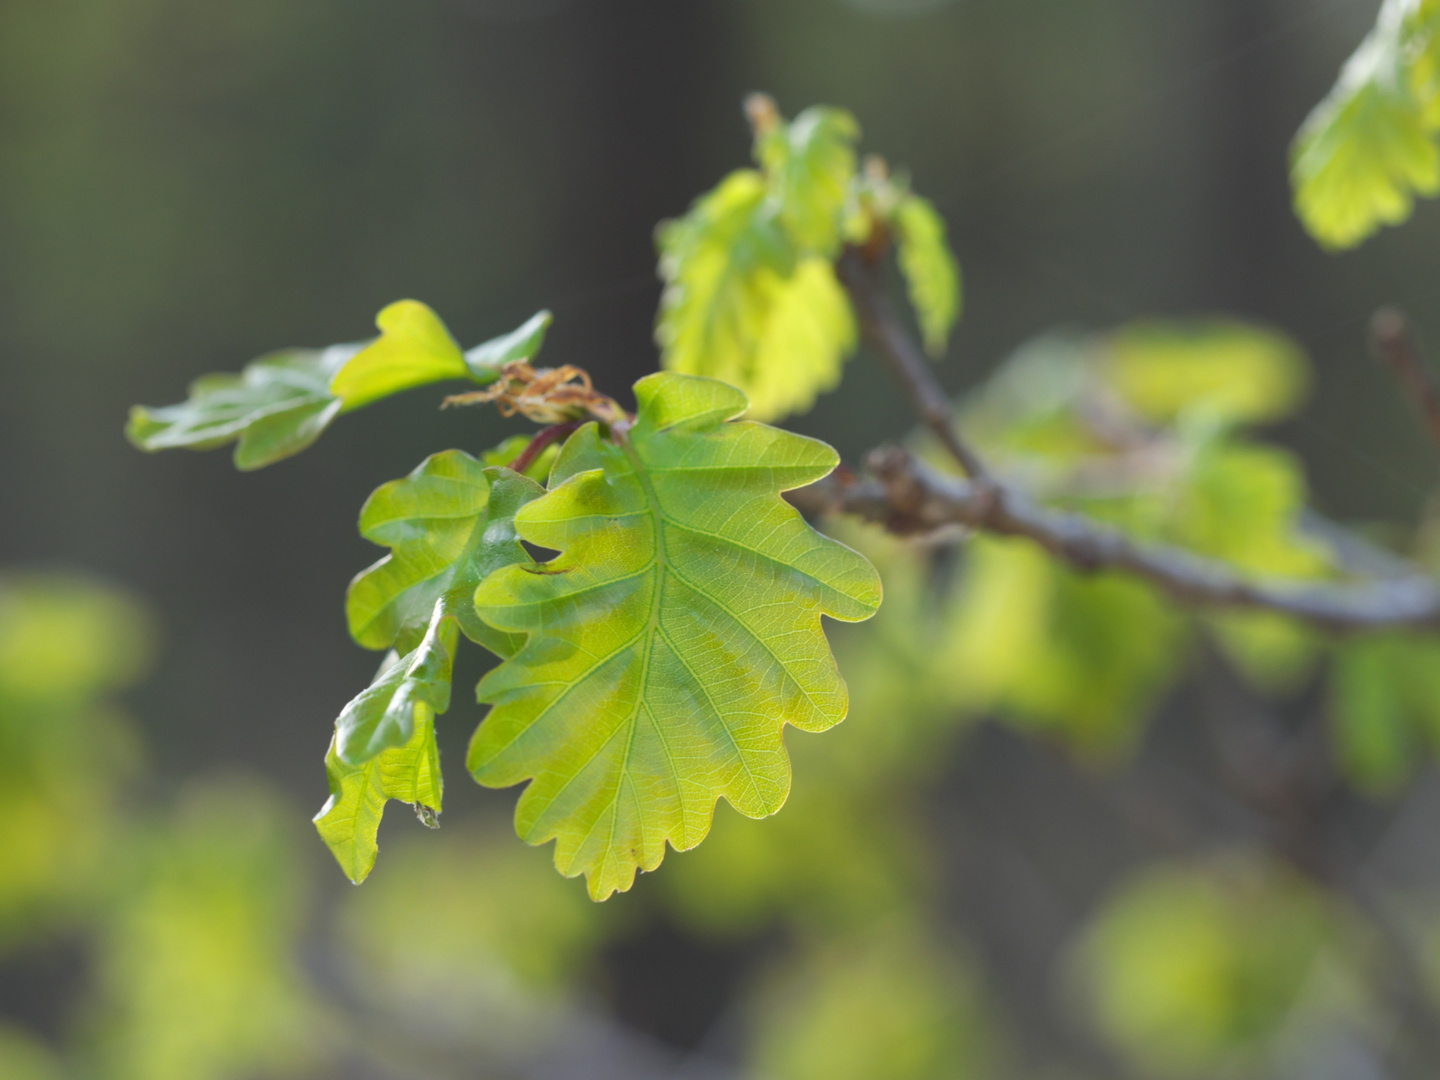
184, 185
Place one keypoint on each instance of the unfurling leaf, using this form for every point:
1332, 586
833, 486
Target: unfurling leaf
932, 275
750, 296
281, 403
350, 820
449, 523
672, 638
1370, 147
810, 164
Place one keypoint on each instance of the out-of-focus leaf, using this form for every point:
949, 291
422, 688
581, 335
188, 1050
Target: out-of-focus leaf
1194, 970
931, 271
1385, 708
809, 332
890, 1005
711, 588
522, 343
1234, 371
450, 523
64, 752
809, 163
196, 970
1369, 148
276, 407
350, 820
1057, 651
25, 1058
383, 715
721, 264
414, 348
750, 295
495, 915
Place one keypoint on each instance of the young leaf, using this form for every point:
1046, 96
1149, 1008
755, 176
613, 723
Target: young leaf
809, 333
414, 348
276, 407
809, 164
281, 403
449, 524
671, 640
350, 819
1369, 147
383, 715
931, 273
523, 343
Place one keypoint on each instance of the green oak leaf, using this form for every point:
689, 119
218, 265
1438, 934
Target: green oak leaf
523, 343
383, 715
281, 403
1369, 148
350, 820
276, 407
932, 275
671, 640
449, 525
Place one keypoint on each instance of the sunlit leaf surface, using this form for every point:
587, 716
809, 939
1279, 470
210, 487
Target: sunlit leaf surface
350, 820
931, 273
671, 640
1370, 147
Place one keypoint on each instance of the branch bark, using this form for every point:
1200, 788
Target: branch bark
1394, 344
909, 497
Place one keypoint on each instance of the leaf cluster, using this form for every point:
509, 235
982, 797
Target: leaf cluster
751, 296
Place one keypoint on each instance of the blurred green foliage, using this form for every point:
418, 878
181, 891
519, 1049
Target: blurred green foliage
1370, 147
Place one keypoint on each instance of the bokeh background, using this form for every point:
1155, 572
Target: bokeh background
185, 185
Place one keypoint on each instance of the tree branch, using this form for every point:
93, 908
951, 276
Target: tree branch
1394, 344
907, 496
862, 274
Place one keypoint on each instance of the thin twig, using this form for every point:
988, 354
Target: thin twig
908, 497
543, 438
862, 273
1394, 345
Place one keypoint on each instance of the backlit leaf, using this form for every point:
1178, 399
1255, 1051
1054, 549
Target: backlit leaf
803, 347
1236, 371
276, 407
383, 715
414, 348
1385, 708
523, 343
671, 640
1369, 147
350, 820
809, 163
931, 273
449, 524
281, 403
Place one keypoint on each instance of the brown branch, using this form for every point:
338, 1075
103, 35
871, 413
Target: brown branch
862, 273
907, 496
537, 445
1394, 345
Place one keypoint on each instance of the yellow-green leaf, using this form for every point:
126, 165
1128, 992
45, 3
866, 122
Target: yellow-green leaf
449, 524
414, 348
932, 275
671, 640
1369, 148
350, 820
